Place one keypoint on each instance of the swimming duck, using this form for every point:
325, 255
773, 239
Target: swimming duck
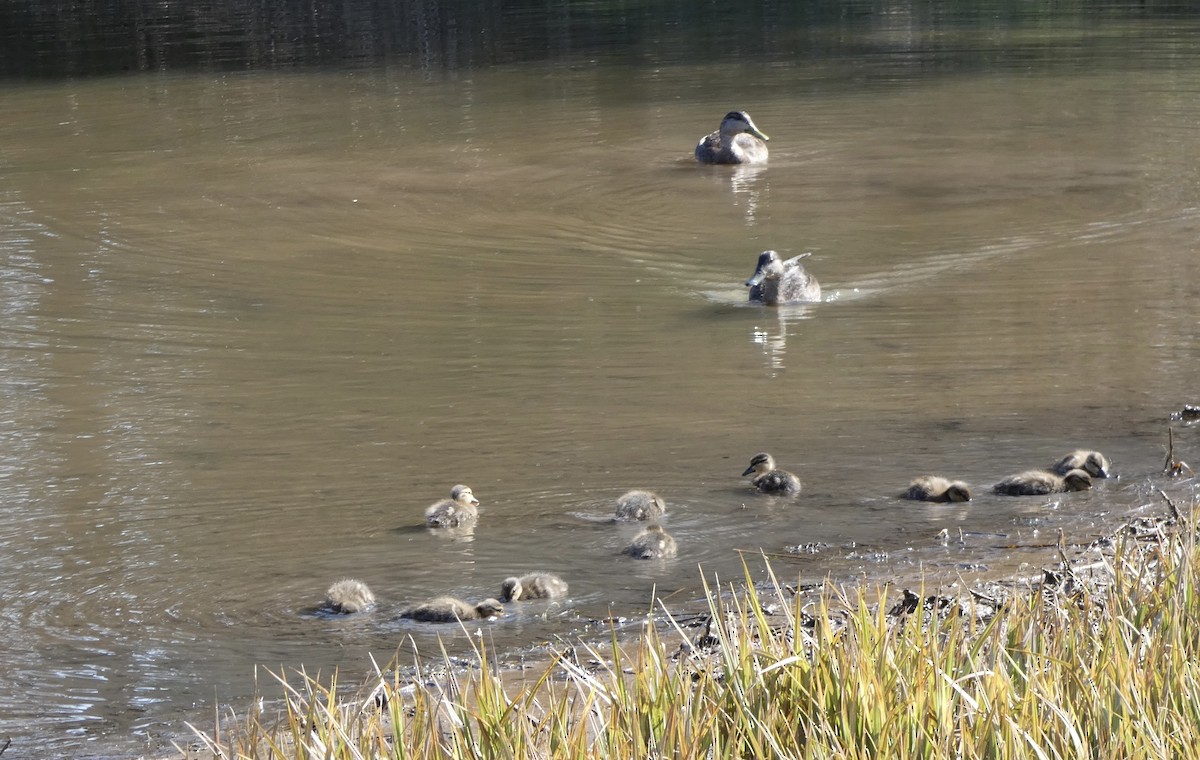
640, 505
533, 586
934, 488
1092, 462
1040, 482
779, 282
447, 609
349, 595
736, 141
458, 510
652, 543
768, 479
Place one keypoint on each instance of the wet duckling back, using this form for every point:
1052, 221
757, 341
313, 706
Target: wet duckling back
533, 586
1040, 482
458, 510
652, 543
935, 488
768, 479
640, 505
447, 609
349, 595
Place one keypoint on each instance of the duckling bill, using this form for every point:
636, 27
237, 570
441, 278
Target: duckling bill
777, 282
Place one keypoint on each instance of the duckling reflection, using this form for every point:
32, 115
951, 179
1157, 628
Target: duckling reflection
776, 282
652, 543
454, 512
640, 505
533, 586
1092, 462
349, 595
935, 488
1039, 483
447, 609
769, 479
736, 141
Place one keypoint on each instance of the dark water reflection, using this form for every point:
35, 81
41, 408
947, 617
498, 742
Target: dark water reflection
252, 325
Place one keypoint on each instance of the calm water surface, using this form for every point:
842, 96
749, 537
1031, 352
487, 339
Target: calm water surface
252, 325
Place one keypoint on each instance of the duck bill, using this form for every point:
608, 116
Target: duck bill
749, 469
760, 135
758, 277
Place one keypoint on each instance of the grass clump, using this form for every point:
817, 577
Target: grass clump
1097, 660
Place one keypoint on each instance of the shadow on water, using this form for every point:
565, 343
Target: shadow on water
43, 39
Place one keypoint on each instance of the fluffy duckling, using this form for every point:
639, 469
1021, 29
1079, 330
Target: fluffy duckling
533, 586
736, 141
640, 505
652, 543
349, 595
768, 479
776, 282
1092, 462
454, 512
934, 488
447, 609
1039, 483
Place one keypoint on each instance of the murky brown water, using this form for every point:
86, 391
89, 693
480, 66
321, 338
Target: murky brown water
252, 325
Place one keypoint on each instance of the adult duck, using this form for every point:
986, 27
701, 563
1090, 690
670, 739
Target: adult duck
736, 141
776, 281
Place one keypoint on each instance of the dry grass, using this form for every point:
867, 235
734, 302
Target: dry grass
1098, 665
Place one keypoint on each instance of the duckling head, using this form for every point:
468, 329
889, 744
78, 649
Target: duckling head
463, 495
762, 461
1077, 480
490, 608
510, 589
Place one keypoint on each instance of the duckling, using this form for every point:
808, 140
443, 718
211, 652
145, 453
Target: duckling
447, 609
776, 282
736, 141
349, 595
1092, 462
652, 543
768, 479
533, 586
640, 505
456, 511
1039, 483
934, 488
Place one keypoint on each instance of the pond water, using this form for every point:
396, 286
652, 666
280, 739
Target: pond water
254, 323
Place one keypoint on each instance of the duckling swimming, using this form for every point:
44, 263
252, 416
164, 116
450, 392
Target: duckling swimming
640, 505
533, 586
652, 543
447, 609
768, 479
1092, 462
736, 141
776, 282
349, 595
456, 511
1039, 483
934, 488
